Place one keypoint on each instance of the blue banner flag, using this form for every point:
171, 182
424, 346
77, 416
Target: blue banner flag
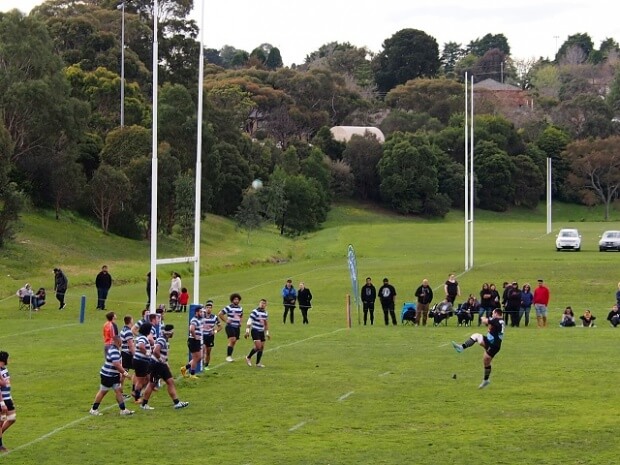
353, 273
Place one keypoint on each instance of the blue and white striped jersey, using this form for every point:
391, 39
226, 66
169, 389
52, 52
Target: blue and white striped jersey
209, 323
6, 378
112, 355
162, 342
142, 340
234, 314
126, 335
196, 322
258, 317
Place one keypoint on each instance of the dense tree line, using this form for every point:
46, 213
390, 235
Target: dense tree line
62, 146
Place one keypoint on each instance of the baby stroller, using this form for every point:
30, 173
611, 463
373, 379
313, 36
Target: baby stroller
407, 314
173, 301
441, 312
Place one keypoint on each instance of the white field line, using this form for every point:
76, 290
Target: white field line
345, 396
297, 426
85, 417
385, 374
4, 336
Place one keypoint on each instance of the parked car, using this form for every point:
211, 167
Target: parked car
568, 239
610, 240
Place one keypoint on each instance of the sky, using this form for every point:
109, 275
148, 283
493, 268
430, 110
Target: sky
533, 28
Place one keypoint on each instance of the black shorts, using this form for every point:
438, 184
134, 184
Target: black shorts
10, 406
208, 340
141, 367
194, 345
160, 371
258, 335
110, 381
491, 349
369, 305
232, 331
387, 306
127, 360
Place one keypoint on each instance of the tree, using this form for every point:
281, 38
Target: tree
595, 169
408, 172
124, 144
480, 46
408, 54
67, 182
494, 171
249, 214
529, 182
184, 206
362, 154
451, 54
553, 142
490, 65
11, 200
585, 116
575, 49
109, 188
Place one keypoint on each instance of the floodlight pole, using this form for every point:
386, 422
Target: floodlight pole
466, 211
197, 212
154, 162
549, 171
471, 177
123, 64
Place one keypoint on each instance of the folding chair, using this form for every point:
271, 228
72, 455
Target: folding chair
22, 305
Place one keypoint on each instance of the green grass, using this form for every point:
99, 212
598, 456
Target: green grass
329, 395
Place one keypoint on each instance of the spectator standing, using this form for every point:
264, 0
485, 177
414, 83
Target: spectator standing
452, 289
541, 300
487, 304
103, 282
304, 296
513, 304
387, 297
424, 293
175, 283
60, 287
618, 296
369, 295
527, 298
289, 298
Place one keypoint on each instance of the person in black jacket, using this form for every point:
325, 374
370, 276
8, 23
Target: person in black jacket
103, 282
304, 298
424, 293
148, 288
387, 296
60, 286
369, 295
513, 303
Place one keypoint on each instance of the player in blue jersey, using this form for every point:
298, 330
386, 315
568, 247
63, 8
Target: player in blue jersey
258, 326
110, 375
161, 370
194, 344
492, 342
7, 407
210, 326
232, 315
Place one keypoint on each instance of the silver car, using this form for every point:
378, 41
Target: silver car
610, 240
568, 239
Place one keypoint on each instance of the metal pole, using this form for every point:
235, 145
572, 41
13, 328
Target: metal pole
154, 177
123, 64
549, 225
197, 212
466, 211
471, 177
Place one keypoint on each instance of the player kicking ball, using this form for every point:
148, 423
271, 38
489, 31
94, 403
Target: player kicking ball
492, 342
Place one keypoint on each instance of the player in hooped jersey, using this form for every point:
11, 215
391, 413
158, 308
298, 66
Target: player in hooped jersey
259, 325
7, 407
194, 344
492, 342
210, 326
110, 375
232, 315
161, 370
128, 348
141, 360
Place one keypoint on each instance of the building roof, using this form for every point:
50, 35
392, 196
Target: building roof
492, 84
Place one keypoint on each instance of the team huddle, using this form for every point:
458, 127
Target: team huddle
143, 347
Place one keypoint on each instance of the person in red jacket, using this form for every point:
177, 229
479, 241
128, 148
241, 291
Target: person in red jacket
541, 300
183, 300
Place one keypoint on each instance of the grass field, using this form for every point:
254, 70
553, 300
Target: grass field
329, 395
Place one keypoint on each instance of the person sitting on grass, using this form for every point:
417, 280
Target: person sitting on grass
587, 319
614, 316
568, 317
